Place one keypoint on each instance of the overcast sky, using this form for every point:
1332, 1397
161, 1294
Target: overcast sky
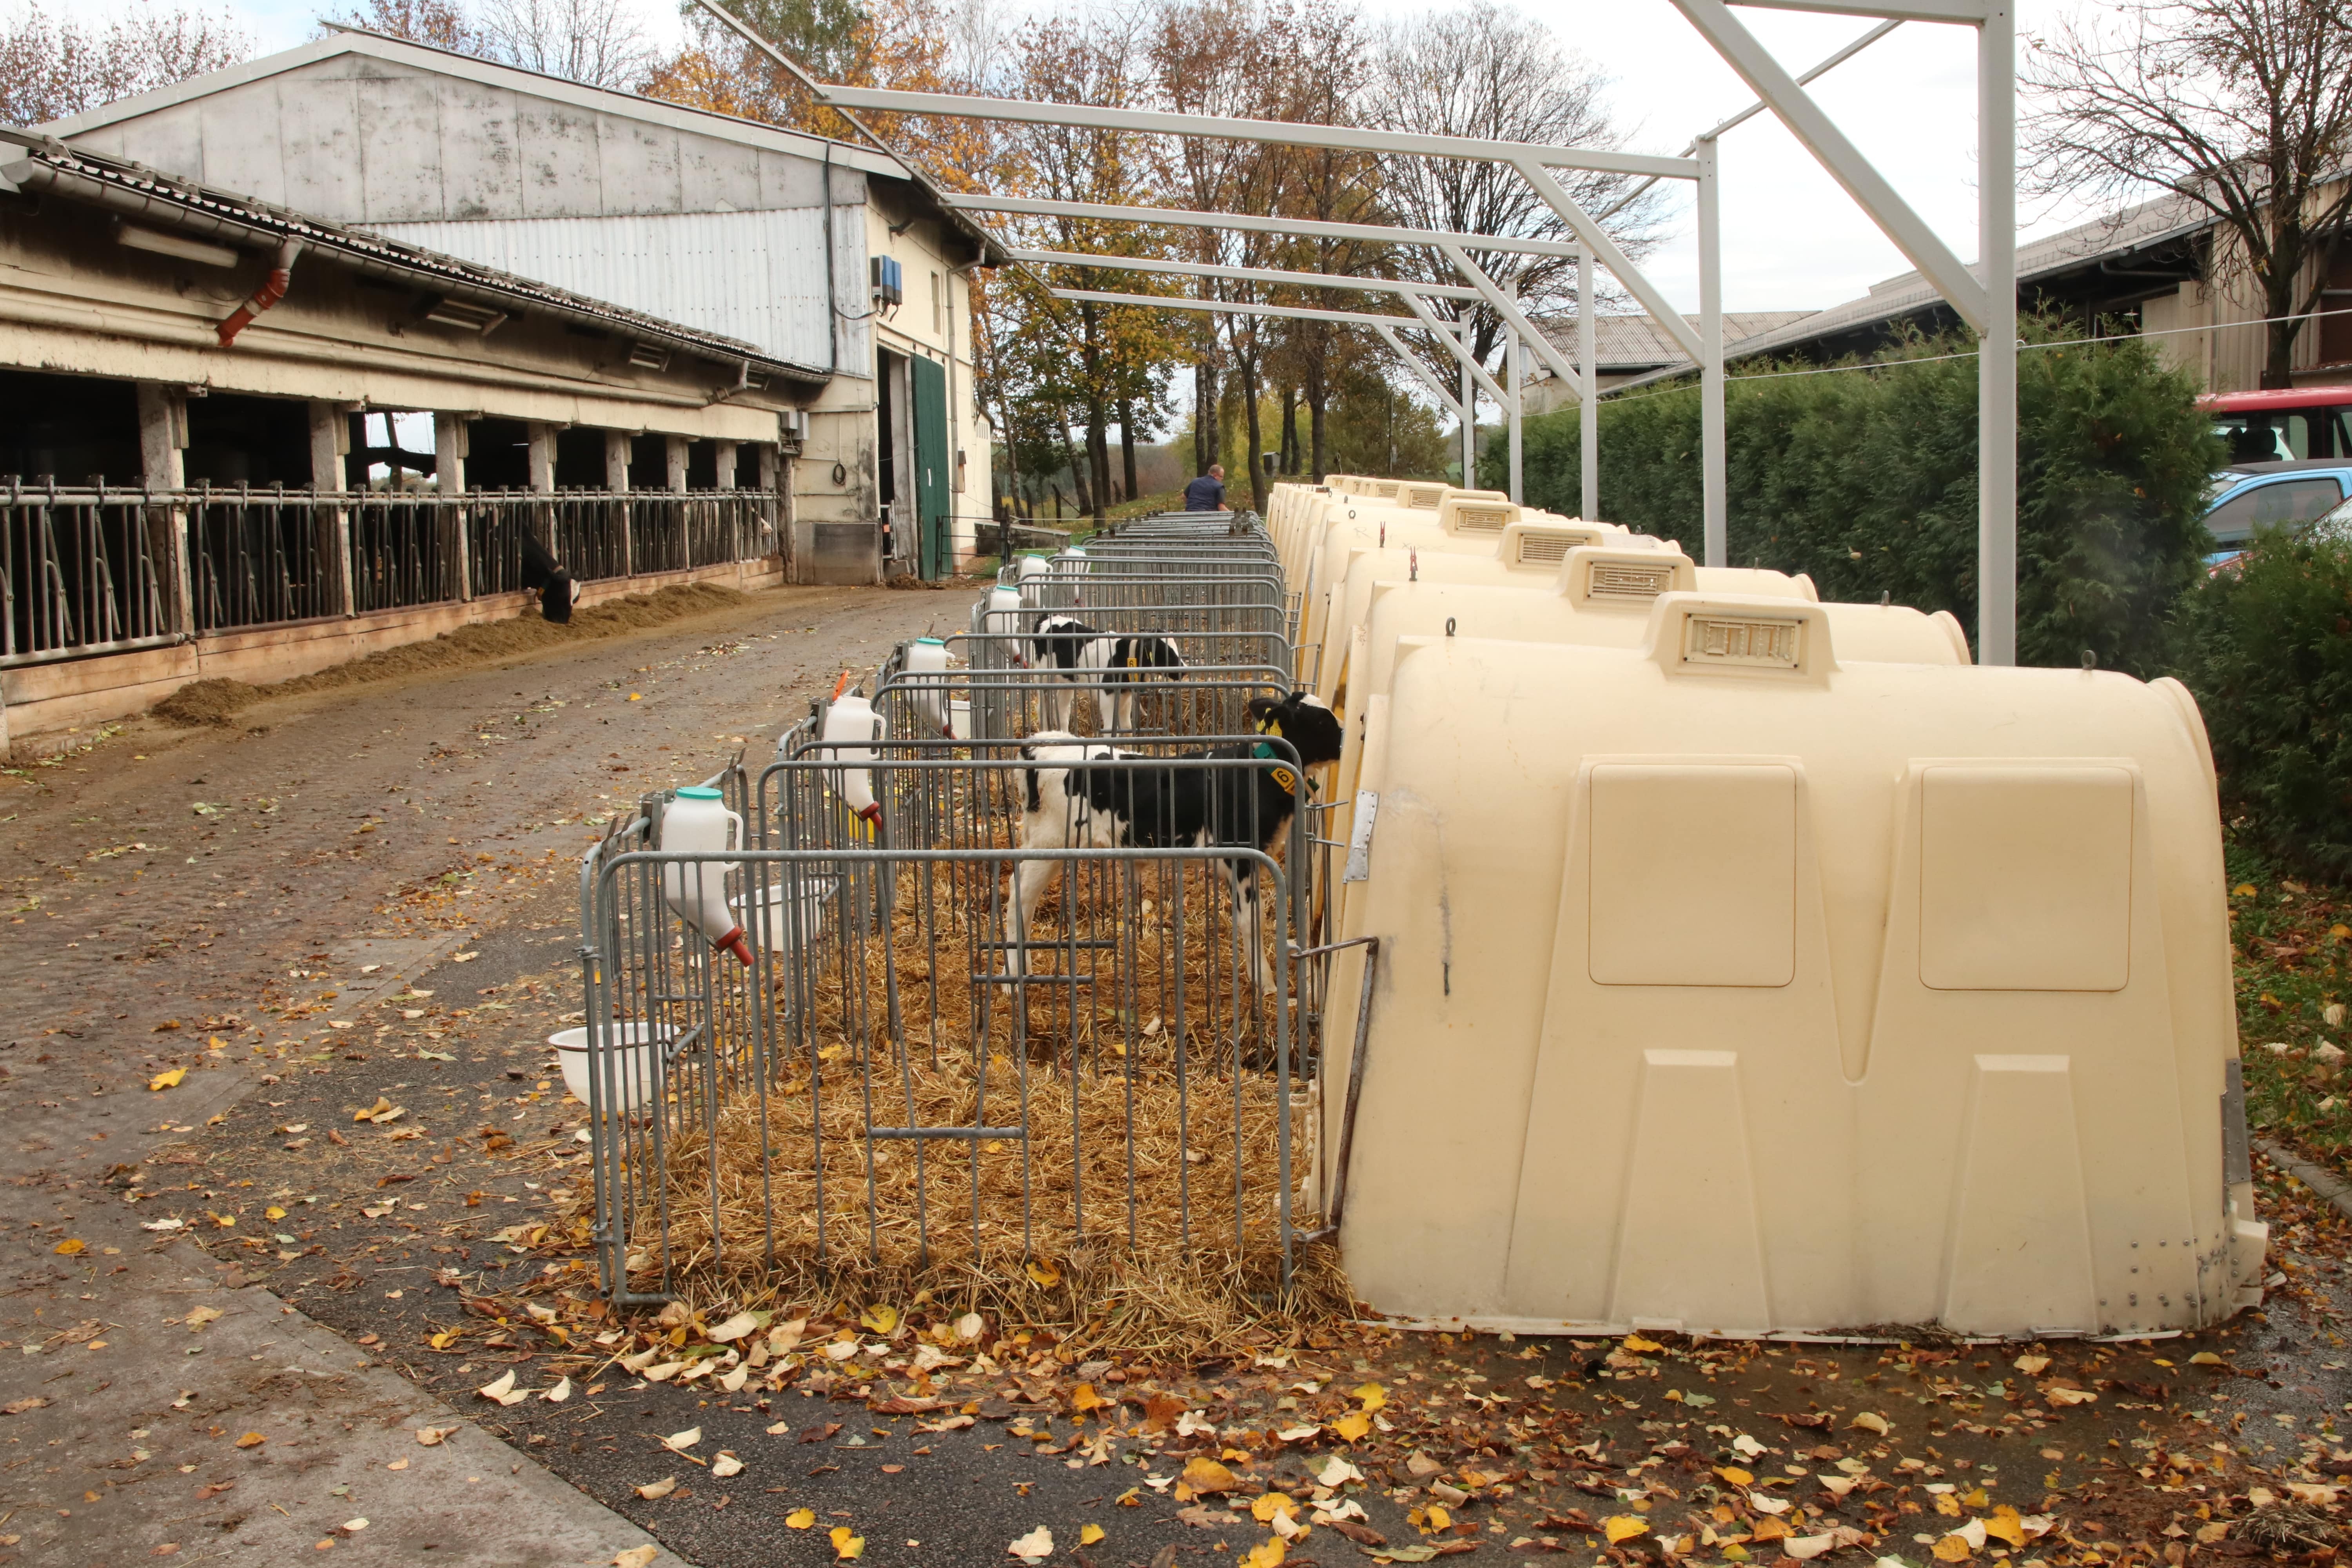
1791, 240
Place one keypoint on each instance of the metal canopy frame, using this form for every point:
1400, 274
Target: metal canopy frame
1533, 162
1984, 297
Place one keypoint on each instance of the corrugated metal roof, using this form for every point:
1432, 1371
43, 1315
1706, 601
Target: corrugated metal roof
135, 190
749, 275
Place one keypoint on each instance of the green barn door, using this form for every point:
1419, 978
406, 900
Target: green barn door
933, 526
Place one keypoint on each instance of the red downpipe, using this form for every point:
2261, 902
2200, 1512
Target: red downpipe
281, 278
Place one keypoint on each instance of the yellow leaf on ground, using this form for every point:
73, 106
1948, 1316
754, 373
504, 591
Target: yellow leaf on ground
847, 1547
1636, 1344
251, 1440
1267, 1554
442, 1341
1084, 1398
1734, 1474
273, 1212
1034, 1547
171, 1079
2004, 1526
637, 1557
1438, 1518
1353, 1425
69, 1246
2205, 1358
2242, 891
2032, 1365
881, 1320
1043, 1273
1266, 1508
799, 1519
1870, 1421
1951, 1549
1205, 1475
1090, 1534
1769, 1528
1616, 1527
1372, 1396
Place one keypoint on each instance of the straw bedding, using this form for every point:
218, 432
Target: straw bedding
1143, 1208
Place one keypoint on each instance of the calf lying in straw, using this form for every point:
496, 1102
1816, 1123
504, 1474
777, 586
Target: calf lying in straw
1121, 661
1144, 803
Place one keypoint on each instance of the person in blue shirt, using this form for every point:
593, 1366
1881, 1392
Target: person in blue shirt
1207, 493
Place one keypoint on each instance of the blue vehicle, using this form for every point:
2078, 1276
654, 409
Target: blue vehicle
2247, 498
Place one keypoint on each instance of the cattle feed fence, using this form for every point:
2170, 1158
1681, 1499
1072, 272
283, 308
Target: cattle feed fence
908, 1075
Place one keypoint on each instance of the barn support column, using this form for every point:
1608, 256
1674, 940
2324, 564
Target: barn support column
162, 443
617, 480
449, 478
330, 442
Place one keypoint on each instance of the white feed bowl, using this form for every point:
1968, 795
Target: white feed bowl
633, 1064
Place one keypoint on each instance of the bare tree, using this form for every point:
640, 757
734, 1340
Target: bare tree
51, 69
597, 42
1486, 71
443, 24
2242, 107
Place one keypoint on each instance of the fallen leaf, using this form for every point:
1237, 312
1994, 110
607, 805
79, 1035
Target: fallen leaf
2070, 1397
970, 1327
199, 1316
1296, 1434
560, 1392
1421, 1465
799, 1519
164, 1081
69, 1246
1352, 1426
431, 1436
1770, 1529
2206, 1358
1734, 1475
1084, 1398
2032, 1365
1265, 1555
1206, 1475
1034, 1547
443, 1340
637, 1557
502, 1390
251, 1440
881, 1320
726, 1465
1337, 1472
1090, 1534
1805, 1548
1621, 1527
846, 1548
353, 1526
1043, 1273
2005, 1526
654, 1492
679, 1442
2207, 1534
30, 1401
1371, 1396
1266, 1507
735, 1328
1870, 1421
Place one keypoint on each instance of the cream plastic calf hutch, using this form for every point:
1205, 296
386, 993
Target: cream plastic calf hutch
1461, 526
1529, 555
1730, 986
1426, 512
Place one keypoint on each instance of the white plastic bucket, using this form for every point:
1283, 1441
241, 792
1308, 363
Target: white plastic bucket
960, 718
633, 1064
775, 910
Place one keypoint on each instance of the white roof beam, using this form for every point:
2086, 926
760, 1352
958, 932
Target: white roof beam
1966, 12
1247, 223
1247, 274
1157, 123
1805, 119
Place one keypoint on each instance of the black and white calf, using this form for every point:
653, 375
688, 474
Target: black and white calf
557, 591
1139, 802
1119, 660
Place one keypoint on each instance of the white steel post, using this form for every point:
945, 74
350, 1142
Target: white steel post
1589, 417
1519, 400
1714, 505
1469, 413
1997, 359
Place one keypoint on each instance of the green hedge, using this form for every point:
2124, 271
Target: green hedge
1866, 478
2270, 658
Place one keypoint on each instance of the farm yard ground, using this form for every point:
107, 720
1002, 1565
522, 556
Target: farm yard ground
361, 901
